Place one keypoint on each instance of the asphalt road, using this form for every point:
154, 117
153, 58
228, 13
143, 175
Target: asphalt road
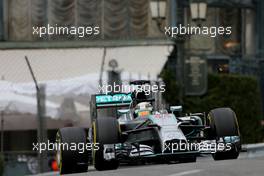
204, 166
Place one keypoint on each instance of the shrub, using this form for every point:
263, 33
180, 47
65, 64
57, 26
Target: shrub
1, 164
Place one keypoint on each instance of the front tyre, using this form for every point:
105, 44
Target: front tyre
71, 161
224, 125
105, 131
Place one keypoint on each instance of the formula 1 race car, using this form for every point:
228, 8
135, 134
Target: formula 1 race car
138, 132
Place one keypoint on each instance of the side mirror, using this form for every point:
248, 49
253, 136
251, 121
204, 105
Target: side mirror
176, 109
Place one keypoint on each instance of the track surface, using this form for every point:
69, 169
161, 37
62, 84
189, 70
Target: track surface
205, 166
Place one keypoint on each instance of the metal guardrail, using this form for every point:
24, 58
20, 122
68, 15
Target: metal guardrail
259, 146
254, 150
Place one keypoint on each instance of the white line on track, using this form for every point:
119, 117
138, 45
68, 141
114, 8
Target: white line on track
186, 172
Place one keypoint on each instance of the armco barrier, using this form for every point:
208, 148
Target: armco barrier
254, 150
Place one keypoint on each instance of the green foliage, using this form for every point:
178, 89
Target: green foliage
241, 93
1, 164
172, 88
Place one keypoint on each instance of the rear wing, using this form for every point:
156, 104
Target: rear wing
113, 100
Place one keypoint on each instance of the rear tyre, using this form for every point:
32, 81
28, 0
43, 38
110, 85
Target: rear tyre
223, 123
105, 131
71, 161
232, 154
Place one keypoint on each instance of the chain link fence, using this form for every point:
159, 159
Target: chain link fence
70, 77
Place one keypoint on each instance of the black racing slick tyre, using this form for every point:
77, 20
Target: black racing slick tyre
105, 131
71, 161
223, 123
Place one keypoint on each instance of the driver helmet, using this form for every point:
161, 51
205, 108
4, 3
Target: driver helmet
138, 97
143, 109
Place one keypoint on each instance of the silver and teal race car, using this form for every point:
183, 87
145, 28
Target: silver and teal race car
138, 132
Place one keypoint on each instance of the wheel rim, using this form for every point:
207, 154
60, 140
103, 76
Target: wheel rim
93, 139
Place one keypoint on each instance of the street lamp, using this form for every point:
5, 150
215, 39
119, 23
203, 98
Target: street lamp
158, 8
198, 10
158, 11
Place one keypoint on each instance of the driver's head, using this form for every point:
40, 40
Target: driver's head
143, 109
138, 97
141, 96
